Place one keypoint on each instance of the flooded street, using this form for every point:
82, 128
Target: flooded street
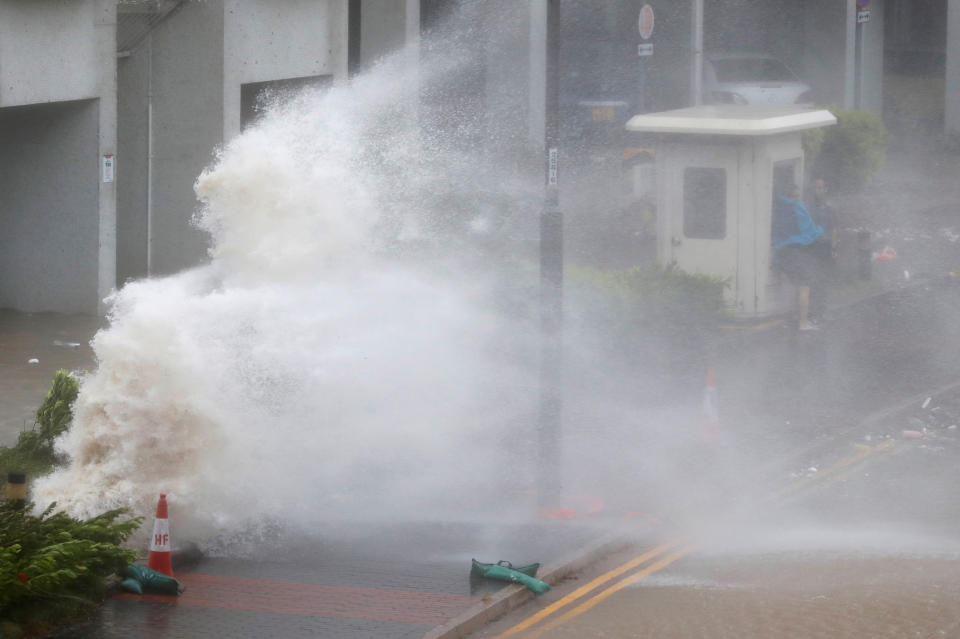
56, 341
863, 546
784, 595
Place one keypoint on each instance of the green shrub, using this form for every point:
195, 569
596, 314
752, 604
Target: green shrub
656, 315
34, 451
54, 567
852, 150
53, 418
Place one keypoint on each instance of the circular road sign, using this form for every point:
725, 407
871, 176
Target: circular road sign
863, 4
647, 21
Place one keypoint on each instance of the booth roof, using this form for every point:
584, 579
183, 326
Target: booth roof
732, 120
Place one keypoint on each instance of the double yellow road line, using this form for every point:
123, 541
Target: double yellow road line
663, 555
840, 470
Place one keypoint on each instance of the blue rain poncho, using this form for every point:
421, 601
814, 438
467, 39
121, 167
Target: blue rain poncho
803, 231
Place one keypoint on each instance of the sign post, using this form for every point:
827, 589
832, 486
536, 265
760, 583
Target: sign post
863, 16
549, 424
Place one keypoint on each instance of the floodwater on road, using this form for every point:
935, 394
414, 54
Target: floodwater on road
864, 545
55, 341
788, 595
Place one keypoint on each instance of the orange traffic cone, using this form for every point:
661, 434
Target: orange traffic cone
160, 542
711, 412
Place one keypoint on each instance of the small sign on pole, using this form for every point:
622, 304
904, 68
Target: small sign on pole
554, 155
863, 15
645, 49
107, 166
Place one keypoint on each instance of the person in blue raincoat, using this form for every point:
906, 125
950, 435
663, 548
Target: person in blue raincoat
794, 235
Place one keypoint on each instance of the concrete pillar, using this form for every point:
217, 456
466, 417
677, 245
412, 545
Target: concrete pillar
952, 93
105, 28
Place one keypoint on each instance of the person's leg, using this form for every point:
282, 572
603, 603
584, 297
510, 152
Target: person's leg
803, 307
818, 301
820, 278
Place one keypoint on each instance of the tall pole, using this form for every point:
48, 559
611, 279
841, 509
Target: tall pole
354, 25
858, 64
551, 278
696, 47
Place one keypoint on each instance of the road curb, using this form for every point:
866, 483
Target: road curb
511, 597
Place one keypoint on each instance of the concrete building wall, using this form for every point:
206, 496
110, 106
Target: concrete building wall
776, 28
508, 94
383, 29
49, 178
669, 68
180, 98
267, 40
952, 93
826, 38
49, 51
133, 139
59, 241
188, 117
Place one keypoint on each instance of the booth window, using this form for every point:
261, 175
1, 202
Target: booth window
705, 203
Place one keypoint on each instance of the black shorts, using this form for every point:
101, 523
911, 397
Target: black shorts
803, 265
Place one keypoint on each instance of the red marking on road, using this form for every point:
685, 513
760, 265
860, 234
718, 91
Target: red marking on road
284, 597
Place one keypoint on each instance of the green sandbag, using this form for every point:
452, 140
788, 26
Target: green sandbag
131, 585
502, 573
153, 580
479, 569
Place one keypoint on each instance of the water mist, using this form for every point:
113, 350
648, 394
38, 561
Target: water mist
331, 359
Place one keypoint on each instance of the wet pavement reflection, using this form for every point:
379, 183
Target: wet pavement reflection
786, 595
54, 341
378, 580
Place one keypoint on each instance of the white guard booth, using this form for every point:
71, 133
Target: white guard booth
716, 169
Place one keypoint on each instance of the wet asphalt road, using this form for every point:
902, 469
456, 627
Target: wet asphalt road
767, 571
365, 579
866, 545
55, 341
802, 529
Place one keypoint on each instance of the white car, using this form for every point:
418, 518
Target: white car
751, 78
